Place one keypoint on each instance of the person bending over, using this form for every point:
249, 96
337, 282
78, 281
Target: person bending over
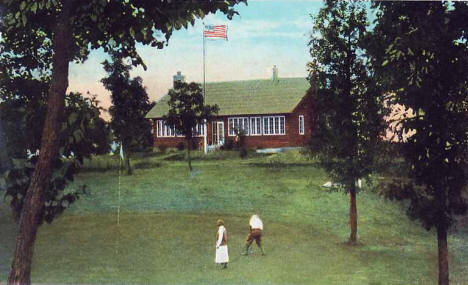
255, 233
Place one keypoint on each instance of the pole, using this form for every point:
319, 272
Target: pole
120, 170
205, 141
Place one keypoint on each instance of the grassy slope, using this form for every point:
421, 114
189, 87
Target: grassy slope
167, 229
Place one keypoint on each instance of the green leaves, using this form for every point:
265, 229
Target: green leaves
130, 104
347, 99
424, 63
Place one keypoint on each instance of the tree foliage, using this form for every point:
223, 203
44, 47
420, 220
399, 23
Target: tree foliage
83, 133
420, 52
47, 35
347, 99
130, 104
425, 66
187, 110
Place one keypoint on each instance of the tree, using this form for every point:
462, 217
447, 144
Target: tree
420, 52
67, 30
83, 133
4, 161
130, 104
347, 99
187, 110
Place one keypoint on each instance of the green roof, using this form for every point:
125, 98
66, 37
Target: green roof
248, 97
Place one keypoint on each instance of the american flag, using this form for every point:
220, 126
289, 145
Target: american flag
215, 31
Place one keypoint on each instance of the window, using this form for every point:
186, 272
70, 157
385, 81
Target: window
256, 126
274, 125
238, 124
198, 130
301, 124
164, 130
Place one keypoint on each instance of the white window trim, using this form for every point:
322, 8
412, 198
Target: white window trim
202, 133
238, 118
303, 125
261, 126
161, 130
279, 127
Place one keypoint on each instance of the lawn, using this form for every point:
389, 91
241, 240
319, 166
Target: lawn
168, 225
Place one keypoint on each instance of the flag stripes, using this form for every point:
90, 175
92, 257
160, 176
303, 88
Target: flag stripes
215, 31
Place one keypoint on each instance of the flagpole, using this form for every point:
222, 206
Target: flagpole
120, 172
205, 141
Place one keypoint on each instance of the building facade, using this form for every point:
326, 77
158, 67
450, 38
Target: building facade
269, 113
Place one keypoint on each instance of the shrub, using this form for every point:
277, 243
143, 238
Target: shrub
243, 153
162, 148
194, 144
180, 146
229, 145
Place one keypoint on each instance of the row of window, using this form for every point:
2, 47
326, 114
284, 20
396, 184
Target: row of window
164, 130
254, 126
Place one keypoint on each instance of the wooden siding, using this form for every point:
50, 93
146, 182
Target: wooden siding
291, 138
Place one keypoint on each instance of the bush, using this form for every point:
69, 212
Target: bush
180, 146
194, 144
162, 148
243, 153
229, 145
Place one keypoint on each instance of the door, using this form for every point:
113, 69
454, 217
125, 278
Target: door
218, 133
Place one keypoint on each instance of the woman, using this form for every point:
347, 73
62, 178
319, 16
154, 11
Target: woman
222, 256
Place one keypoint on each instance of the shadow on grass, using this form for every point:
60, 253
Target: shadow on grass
215, 156
280, 164
147, 164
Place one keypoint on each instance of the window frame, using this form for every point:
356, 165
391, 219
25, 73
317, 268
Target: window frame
274, 124
301, 125
238, 121
259, 130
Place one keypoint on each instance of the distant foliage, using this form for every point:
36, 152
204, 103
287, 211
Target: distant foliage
130, 104
84, 133
348, 99
180, 146
187, 109
423, 57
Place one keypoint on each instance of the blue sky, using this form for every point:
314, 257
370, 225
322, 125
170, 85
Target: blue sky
266, 33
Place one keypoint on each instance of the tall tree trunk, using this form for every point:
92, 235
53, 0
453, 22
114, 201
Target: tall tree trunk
352, 213
443, 255
34, 200
4, 160
188, 155
128, 166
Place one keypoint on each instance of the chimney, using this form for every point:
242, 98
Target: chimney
178, 78
275, 74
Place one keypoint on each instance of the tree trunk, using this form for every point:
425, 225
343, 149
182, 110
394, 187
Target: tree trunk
4, 160
443, 255
34, 200
188, 155
128, 166
352, 214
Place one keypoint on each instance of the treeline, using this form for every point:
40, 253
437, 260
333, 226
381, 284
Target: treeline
413, 54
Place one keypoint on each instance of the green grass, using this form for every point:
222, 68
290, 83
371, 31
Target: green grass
167, 229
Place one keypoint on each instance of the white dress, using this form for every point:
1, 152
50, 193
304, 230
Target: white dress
222, 255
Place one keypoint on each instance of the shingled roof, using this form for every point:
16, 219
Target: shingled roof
248, 97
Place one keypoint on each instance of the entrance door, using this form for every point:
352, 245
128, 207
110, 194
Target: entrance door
218, 133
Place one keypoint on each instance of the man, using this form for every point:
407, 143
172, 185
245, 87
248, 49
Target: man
255, 233
222, 256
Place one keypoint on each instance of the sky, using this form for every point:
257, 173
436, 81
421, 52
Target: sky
265, 33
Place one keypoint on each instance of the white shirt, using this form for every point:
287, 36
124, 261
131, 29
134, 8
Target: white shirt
220, 235
256, 223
